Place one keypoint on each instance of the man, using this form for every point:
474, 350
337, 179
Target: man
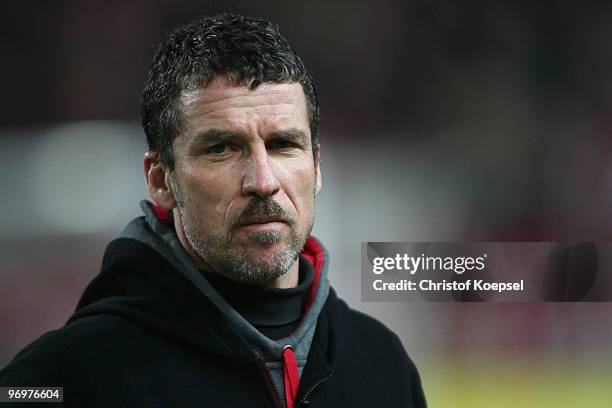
218, 296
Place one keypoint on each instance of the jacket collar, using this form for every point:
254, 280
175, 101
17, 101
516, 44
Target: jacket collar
144, 282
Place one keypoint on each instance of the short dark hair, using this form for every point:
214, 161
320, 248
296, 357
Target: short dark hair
251, 51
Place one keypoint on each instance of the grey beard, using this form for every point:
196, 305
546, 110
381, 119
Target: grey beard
266, 237
236, 264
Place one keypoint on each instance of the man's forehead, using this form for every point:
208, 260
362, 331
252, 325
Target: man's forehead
222, 94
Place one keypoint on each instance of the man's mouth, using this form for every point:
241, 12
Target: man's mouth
261, 221
268, 226
274, 224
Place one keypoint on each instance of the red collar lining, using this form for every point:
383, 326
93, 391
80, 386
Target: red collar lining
313, 252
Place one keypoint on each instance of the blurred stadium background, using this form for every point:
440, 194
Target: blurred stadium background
441, 121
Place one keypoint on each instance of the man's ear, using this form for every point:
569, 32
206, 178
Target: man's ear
157, 175
318, 175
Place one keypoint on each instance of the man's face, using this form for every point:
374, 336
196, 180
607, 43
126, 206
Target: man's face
245, 179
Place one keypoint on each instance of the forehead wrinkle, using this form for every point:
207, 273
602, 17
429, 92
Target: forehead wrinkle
231, 112
220, 90
207, 98
208, 95
203, 107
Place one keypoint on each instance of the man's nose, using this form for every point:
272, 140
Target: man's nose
259, 177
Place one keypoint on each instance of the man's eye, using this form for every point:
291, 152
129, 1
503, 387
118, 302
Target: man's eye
218, 148
280, 144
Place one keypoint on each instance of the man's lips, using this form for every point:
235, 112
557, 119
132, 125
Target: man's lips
262, 221
262, 226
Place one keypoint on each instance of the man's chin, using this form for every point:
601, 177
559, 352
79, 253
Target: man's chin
267, 255
261, 234
259, 268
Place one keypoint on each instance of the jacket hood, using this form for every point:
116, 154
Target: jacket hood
143, 281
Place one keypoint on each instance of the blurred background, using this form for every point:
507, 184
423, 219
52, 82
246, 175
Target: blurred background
441, 121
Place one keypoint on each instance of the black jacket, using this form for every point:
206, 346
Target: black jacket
144, 336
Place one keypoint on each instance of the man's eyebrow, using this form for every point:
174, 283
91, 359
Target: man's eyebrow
212, 136
215, 136
292, 134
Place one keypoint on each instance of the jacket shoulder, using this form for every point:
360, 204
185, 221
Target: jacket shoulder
372, 328
46, 360
376, 338
370, 331
371, 348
